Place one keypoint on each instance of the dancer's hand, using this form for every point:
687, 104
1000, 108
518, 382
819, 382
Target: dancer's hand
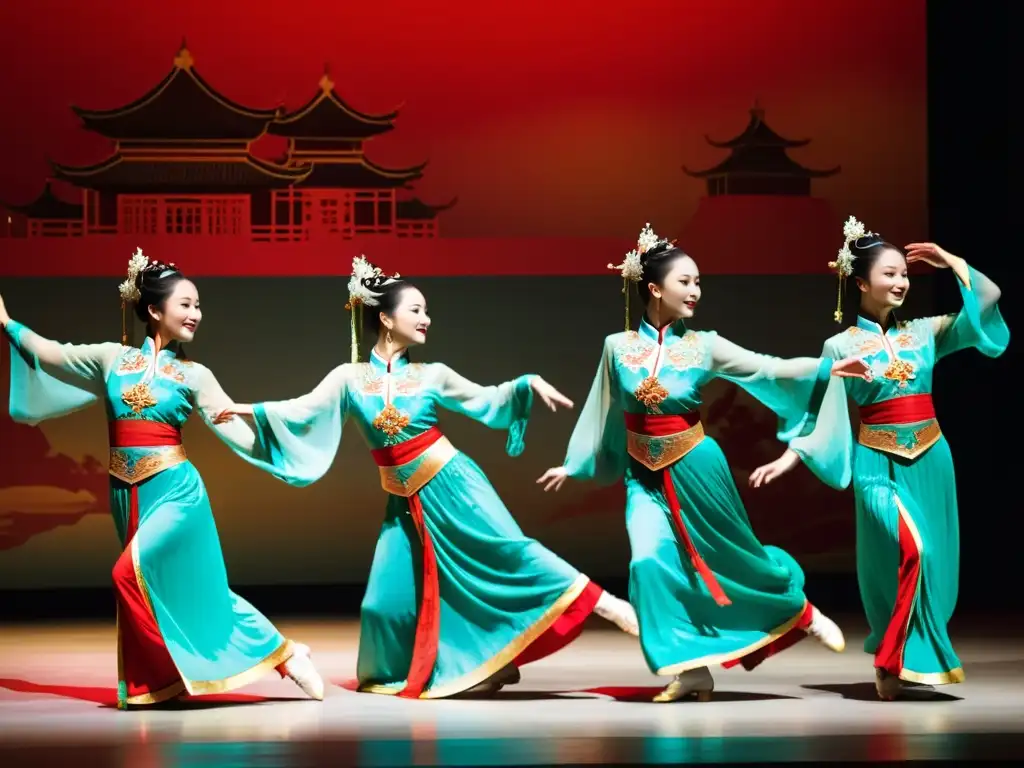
4, 317
226, 415
552, 397
930, 253
553, 478
852, 368
768, 472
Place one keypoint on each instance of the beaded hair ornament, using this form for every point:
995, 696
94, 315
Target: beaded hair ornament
632, 267
853, 231
129, 289
362, 285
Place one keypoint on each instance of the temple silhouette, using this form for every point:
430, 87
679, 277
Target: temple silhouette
182, 165
759, 208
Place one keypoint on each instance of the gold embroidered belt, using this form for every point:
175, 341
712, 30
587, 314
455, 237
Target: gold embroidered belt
141, 449
902, 426
405, 468
658, 441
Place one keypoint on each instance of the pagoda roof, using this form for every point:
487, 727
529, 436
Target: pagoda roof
757, 133
327, 116
761, 161
417, 210
359, 173
48, 206
243, 174
182, 106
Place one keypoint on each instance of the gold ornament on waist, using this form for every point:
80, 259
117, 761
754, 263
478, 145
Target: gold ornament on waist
650, 392
138, 397
391, 421
900, 371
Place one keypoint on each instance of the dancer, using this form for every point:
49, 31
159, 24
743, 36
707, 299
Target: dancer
737, 601
908, 542
458, 598
180, 629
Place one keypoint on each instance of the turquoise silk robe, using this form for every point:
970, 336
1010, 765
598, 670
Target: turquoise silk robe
216, 640
498, 589
903, 480
682, 627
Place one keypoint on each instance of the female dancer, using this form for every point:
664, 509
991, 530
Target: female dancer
908, 544
180, 628
680, 494
458, 598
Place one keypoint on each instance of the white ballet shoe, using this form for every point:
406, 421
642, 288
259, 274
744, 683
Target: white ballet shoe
826, 631
618, 612
693, 682
302, 672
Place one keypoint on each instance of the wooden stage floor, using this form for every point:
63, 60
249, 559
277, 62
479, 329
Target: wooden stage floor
588, 705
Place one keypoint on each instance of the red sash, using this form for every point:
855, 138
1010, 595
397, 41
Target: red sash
428, 622
899, 410
136, 433
662, 425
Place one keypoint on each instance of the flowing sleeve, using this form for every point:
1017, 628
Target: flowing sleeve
50, 379
978, 324
597, 447
293, 440
791, 387
828, 449
503, 406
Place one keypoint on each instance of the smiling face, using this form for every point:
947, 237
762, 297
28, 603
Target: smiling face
679, 291
887, 284
409, 321
179, 317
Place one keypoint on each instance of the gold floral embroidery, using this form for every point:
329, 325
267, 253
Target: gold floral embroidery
853, 330
900, 371
870, 345
650, 392
372, 383
133, 362
138, 397
391, 421
633, 351
908, 445
658, 452
685, 352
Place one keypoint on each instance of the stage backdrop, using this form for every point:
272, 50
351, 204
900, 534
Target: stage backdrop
501, 155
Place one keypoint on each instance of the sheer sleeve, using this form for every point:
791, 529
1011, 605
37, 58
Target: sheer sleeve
793, 388
597, 447
978, 324
828, 449
502, 406
50, 379
294, 440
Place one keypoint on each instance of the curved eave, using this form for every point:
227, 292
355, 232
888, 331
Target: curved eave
383, 122
99, 116
422, 211
799, 171
71, 171
292, 173
413, 172
744, 138
289, 174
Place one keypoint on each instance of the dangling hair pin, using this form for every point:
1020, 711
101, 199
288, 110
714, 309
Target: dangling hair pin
631, 267
129, 290
853, 230
365, 277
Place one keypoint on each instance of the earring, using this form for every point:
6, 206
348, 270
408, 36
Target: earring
387, 338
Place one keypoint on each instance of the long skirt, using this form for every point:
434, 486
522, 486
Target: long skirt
682, 625
457, 592
180, 628
908, 560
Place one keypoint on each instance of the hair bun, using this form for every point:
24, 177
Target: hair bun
868, 241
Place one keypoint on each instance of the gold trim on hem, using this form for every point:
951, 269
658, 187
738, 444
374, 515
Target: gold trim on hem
124, 468
503, 657
934, 678
887, 440
204, 687
431, 461
157, 697
722, 658
659, 451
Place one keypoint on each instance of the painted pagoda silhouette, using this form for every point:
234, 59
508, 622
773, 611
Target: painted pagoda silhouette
759, 214
183, 165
